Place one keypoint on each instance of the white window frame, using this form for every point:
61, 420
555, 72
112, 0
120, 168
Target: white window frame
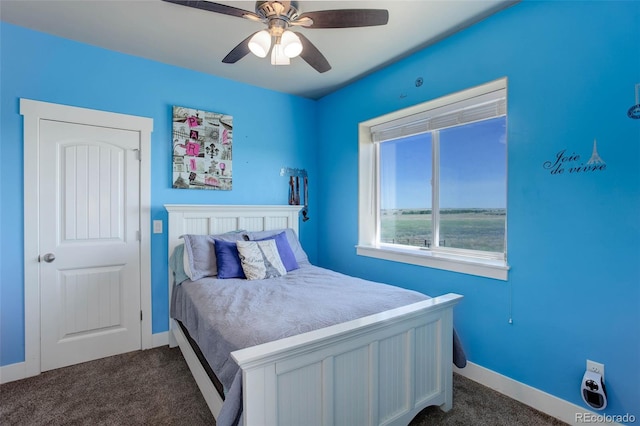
457, 260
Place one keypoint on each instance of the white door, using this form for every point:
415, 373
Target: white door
89, 216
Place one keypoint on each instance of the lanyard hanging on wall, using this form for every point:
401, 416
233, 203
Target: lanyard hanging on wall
294, 189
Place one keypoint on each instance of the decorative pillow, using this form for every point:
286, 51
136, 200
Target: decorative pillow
260, 259
228, 260
284, 249
177, 265
200, 255
292, 238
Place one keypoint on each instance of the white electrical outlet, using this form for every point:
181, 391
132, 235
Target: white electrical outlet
157, 227
595, 367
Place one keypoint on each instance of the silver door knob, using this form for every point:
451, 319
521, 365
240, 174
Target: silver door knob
49, 257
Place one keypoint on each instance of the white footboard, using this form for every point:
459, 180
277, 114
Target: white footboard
378, 370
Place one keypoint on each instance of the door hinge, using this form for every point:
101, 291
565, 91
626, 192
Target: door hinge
140, 316
138, 235
137, 154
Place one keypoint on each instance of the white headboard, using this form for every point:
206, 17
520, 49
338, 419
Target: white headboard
217, 219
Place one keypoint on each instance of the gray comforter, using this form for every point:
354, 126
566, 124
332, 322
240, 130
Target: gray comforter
226, 315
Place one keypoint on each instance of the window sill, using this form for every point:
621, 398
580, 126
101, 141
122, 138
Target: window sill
495, 269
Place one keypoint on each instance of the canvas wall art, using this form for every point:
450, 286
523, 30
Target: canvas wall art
202, 149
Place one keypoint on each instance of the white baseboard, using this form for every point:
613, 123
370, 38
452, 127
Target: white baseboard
13, 372
160, 339
535, 398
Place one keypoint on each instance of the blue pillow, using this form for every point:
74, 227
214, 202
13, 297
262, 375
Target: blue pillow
284, 249
228, 259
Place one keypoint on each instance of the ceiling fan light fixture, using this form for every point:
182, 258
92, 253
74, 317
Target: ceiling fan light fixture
278, 57
260, 43
279, 15
291, 44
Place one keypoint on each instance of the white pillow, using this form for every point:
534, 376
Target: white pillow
260, 259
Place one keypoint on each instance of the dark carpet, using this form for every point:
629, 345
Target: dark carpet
155, 387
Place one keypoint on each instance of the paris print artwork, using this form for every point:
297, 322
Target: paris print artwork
202, 149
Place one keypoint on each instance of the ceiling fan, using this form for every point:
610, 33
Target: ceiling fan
287, 44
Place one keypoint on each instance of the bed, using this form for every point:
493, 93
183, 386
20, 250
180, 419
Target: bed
365, 365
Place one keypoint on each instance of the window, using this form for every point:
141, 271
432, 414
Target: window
433, 183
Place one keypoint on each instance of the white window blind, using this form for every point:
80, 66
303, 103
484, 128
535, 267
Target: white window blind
481, 107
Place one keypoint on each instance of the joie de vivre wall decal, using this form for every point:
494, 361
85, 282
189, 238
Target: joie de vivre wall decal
571, 163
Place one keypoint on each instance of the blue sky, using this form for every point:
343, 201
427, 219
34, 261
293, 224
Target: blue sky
472, 168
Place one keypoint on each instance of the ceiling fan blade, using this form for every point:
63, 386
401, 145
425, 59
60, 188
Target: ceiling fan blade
312, 55
238, 52
347, 18
215, 7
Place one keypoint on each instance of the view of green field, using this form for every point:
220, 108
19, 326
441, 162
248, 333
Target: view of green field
474, 229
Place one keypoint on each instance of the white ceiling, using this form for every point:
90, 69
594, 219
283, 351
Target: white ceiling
198, 39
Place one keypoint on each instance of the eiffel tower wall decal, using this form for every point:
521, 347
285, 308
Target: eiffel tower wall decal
595, 157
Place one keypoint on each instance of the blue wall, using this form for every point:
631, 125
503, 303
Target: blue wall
51, 69
573, 239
